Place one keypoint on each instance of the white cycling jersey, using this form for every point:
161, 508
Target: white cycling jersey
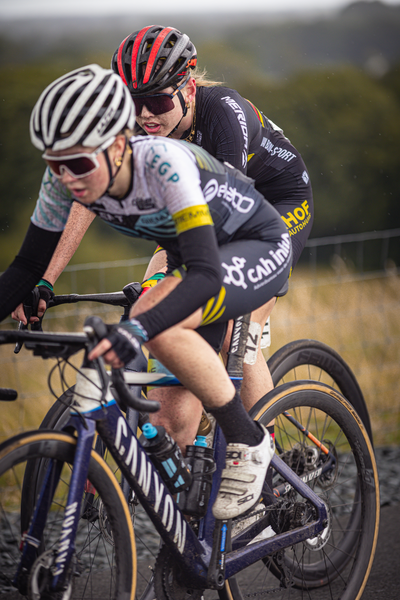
174, 188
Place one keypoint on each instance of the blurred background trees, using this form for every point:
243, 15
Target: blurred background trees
332, 84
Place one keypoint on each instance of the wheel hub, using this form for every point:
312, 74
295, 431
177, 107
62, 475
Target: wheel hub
41, 576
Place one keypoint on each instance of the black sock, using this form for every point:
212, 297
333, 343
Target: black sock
236, 424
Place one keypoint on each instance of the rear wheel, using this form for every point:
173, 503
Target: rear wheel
310, 359
104, 564
336, 563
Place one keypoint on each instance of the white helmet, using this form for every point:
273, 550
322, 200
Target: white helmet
87, 106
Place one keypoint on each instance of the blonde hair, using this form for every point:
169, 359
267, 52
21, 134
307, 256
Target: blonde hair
202, 80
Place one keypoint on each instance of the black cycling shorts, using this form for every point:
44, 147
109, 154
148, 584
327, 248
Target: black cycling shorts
254, 271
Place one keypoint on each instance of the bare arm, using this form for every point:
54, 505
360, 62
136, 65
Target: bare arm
78, 223
157, 264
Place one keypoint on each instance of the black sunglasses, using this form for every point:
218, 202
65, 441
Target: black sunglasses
157, 104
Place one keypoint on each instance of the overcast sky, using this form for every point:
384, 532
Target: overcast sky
54, 8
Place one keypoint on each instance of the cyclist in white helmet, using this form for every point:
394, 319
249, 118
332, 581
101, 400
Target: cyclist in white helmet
174, 99
228, 252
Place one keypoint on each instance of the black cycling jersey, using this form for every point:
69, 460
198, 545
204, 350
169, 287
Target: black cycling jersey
232, 129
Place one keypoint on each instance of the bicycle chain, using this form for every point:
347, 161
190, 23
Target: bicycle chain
260, 511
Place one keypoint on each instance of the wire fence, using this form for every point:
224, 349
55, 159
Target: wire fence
345, 292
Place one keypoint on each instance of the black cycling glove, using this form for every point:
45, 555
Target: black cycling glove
42, 291
126, 339
45, 290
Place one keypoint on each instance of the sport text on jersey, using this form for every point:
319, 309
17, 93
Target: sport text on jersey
282, 153
241, 117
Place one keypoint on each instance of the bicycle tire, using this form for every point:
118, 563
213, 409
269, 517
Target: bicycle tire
310, 359
94, 551
58, 413
337, 563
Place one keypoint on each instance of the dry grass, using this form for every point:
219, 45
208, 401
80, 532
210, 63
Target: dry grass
360, 318
357, 316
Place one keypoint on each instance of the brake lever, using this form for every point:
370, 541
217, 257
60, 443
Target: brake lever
30, 304
124, 396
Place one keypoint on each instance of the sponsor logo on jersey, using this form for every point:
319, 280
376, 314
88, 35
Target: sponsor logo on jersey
155, 160
264, 271
242, 204
241, 117
145, 203
298, 219
192, 216
273, 150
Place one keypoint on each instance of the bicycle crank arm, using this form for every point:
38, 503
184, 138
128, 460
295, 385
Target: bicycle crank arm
216, 569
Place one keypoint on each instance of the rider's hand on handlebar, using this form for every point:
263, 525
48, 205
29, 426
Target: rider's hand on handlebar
19, 314
45, 294
121, 345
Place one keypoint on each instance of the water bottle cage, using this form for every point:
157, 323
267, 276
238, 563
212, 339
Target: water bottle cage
175, 476
207, 473
195, 499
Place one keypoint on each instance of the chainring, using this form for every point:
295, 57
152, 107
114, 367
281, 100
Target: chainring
166, 584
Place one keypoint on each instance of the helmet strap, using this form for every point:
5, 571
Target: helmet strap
189, 134
184, 112
118, 163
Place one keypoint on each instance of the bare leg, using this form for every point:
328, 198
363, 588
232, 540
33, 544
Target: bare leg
174, 349
157, 264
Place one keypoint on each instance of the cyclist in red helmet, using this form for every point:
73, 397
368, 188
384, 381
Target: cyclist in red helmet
174, 99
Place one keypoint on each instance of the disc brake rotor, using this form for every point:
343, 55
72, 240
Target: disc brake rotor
40, 578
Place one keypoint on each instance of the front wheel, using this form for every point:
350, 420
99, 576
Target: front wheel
335, 564
104, 564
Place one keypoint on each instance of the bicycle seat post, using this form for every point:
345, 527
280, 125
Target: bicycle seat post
237, 349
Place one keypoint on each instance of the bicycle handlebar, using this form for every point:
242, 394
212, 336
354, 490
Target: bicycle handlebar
130, 293
112, 298
64, 345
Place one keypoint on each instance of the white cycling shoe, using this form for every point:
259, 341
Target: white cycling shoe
243, 477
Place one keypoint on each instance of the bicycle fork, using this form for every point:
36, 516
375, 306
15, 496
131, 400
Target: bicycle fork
59, 565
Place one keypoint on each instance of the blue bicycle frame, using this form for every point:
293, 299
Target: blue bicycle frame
205, 558
194, 553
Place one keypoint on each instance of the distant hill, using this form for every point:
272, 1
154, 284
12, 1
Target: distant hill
365, 34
